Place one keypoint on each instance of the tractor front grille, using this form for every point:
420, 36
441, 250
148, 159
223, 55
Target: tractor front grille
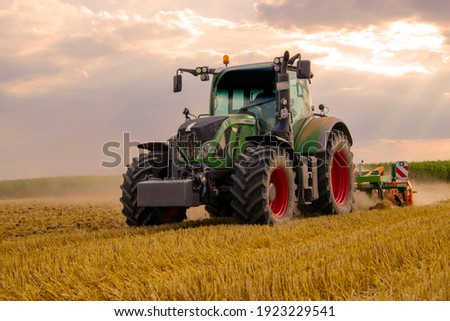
188, 144
193, 133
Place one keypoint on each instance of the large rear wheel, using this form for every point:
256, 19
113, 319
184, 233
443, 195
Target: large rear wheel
336, 177
152, 164
263, 186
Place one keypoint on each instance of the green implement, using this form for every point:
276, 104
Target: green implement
398, 189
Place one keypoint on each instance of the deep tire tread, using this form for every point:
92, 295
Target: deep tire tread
325, 204
251, 182
145, 165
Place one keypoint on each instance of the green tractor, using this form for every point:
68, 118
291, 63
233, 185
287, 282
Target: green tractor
260, 155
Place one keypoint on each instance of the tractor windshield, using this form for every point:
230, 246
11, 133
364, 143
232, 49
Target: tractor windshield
251, 90
248, 90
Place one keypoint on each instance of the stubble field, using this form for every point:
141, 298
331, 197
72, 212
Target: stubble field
79, 248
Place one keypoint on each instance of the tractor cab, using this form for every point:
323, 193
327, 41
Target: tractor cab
252, 90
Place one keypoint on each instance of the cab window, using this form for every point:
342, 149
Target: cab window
228, 101
300, 97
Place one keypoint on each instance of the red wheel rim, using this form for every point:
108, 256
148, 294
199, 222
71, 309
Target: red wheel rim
168, 212
278, 192
339, 177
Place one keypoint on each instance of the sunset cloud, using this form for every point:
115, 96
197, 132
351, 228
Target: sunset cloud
85, 72
332, 14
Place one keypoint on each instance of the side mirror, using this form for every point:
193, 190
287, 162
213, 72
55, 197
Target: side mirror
303, 69
177, 83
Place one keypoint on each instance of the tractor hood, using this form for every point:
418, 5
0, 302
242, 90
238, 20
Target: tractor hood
201, 129
213, 138
193, 133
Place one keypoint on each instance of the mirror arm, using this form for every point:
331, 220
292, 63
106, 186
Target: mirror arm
191, 71
293, 58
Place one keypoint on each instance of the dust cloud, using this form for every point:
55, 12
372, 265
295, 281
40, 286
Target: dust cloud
197, 213
430, 192
107, 190
427, 192
363, 201
83, 188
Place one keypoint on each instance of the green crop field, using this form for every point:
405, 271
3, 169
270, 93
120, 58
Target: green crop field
431, 170
427, 170
62, 244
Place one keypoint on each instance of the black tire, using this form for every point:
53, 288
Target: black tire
263, 186
335, 177
219, 210
143, 167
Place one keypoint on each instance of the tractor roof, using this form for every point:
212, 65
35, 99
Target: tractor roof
248, 67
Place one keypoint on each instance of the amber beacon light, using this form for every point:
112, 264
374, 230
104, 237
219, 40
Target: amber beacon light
226, 60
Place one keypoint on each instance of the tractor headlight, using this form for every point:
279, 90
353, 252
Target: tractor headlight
204, 150
198, 70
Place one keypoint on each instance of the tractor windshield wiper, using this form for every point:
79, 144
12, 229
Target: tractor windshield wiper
257, 104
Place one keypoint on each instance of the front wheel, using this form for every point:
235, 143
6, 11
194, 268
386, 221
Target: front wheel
142, 167
263, 186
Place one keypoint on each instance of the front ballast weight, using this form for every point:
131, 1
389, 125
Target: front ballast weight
172, 190
184, 185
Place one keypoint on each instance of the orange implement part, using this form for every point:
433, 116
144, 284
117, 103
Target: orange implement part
380, 169
394, 195
376, 171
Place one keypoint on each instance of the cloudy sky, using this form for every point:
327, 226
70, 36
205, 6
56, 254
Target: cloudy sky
76, 74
